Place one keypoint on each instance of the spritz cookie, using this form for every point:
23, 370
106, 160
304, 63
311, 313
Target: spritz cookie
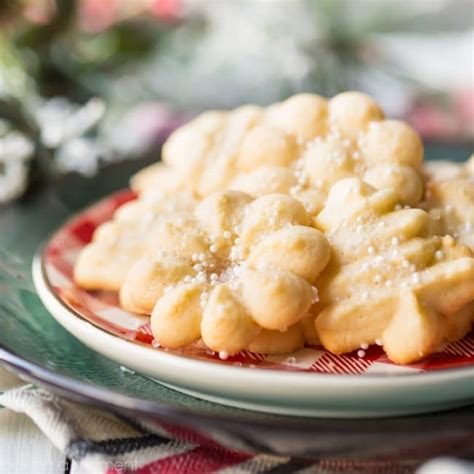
137, 226
391, 281
311, 221
255, 278
305, 143
450, 198
234, 271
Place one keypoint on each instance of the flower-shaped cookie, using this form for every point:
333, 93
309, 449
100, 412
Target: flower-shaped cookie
221, 245
390, 280
136, 227
301, 146
250, 287
450, 198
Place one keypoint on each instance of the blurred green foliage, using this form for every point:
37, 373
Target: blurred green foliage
65, 85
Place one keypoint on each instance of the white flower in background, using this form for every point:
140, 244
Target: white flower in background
13, 180
15, 152
64, 128
78, 154
15, 145
61, 120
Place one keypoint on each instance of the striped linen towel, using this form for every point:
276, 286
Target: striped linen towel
99, 442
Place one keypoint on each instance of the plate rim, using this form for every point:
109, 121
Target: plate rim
106, 398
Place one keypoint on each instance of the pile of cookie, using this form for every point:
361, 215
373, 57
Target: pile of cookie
311, 221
